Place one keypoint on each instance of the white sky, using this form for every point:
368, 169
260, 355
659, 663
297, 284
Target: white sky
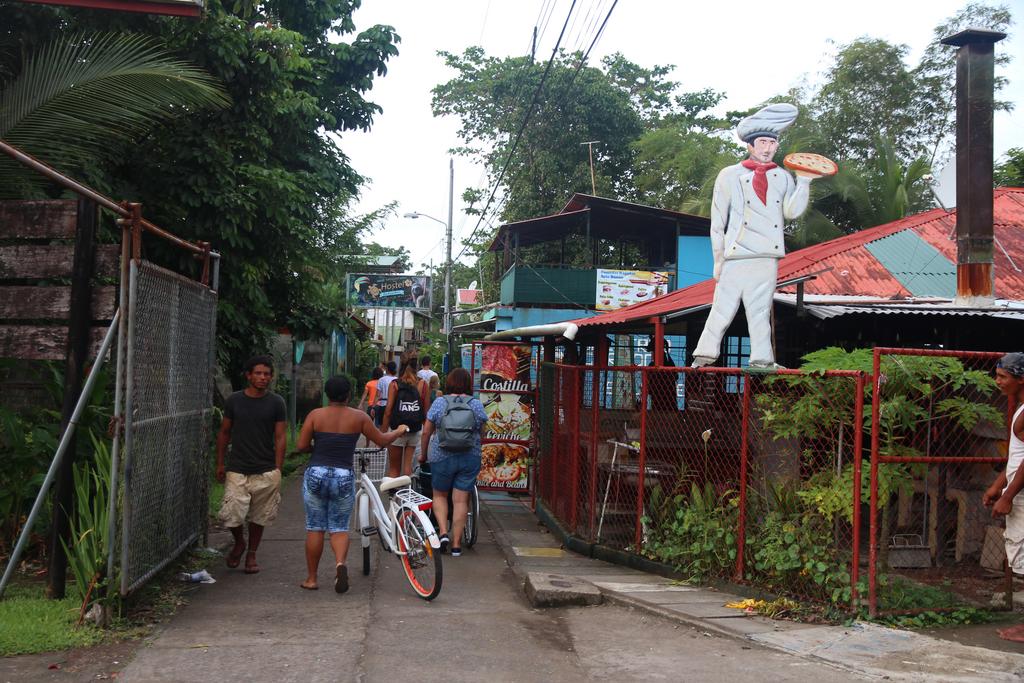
405, 154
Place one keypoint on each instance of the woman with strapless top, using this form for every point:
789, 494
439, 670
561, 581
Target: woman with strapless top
328, 487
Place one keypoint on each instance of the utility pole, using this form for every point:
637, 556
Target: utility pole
448, 268
593, 182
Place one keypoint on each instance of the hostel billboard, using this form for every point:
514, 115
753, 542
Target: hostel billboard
377, 290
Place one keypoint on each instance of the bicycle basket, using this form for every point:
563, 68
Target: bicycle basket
376, 462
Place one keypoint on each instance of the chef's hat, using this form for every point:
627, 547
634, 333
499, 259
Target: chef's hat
767, 123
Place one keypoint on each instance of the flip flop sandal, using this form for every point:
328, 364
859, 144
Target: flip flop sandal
341, 579
234, 560
251, 567
308, 588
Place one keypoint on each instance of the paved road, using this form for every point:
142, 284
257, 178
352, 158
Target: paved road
265, 628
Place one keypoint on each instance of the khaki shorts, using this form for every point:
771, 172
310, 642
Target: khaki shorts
1013, 536
251, 497
410, 440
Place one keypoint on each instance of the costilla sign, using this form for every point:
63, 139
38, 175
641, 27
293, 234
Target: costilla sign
374, 290
506, 390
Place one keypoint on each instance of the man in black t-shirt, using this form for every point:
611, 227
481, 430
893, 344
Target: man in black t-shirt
254, 426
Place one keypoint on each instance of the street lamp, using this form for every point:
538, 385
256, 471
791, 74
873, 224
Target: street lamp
448, 262
448, 258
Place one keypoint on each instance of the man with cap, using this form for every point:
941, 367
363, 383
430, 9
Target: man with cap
751, 202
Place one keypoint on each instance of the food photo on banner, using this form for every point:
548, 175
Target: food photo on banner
506, 390
620, 288
376, 290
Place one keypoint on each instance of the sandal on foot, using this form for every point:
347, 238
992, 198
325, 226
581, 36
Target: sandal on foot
308, 588
251, 567
341, 579
445, 542
234, 558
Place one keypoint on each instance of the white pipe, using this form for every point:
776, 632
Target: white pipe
567, 330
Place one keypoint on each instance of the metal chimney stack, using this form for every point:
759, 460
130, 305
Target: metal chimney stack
975, 75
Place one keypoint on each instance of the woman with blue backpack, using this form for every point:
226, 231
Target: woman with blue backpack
407, 403
455, 421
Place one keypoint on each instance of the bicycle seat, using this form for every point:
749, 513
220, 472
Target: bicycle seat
388, 483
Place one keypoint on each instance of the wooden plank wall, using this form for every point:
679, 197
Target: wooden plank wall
36, 252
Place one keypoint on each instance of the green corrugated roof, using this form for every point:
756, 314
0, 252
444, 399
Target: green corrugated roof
917, 265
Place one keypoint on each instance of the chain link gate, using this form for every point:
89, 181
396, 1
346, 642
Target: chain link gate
168, 416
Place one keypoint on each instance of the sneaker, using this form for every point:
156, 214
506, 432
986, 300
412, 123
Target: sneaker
456, 552
341, 579
445, 542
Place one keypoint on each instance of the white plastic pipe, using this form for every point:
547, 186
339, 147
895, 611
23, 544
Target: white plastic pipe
567, 330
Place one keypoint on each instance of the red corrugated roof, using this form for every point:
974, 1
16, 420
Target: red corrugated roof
855, 271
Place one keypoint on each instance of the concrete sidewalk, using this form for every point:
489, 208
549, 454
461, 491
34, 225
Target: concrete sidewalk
538, 559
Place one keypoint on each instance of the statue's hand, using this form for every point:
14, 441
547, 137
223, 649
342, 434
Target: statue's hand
718, 270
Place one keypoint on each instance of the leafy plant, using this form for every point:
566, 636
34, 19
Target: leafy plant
57, 105
87, 553
696, 533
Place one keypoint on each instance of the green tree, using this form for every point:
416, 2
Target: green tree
264, 179
872, 92
490, 96
1010, 172
55, 102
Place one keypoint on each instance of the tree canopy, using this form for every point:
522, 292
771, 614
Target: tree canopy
262, 179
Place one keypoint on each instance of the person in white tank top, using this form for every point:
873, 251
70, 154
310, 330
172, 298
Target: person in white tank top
1001, 495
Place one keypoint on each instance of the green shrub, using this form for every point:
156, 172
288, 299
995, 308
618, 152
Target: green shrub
696, 534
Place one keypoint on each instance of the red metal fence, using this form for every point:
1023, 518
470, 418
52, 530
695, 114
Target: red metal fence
939, 442
766, 478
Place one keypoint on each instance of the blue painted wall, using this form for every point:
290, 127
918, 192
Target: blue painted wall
695, 260
511, 318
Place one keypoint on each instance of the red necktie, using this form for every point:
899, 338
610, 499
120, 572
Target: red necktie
760, 178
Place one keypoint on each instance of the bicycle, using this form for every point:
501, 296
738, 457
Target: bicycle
422, 483
403, 527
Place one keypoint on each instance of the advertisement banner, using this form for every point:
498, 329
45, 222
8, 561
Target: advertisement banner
506, 390
620, 288
377, 290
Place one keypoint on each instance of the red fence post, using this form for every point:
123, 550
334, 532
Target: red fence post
597, 386
572, 499
876, 400
641, 462
741, 527
858, 446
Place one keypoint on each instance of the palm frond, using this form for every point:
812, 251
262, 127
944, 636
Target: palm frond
77, 97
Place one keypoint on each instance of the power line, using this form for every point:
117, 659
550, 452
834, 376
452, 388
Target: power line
526, 120
572, 80
586, 54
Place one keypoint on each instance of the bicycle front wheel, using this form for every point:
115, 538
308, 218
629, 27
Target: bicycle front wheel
472, 519
421, 562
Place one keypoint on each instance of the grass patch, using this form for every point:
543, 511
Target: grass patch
34, 623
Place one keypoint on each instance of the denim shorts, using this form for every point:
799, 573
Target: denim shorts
328, 494
458, 471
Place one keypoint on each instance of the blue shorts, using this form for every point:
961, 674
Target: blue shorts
458, 471
328, 494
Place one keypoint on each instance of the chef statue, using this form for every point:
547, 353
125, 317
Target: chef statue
751, 202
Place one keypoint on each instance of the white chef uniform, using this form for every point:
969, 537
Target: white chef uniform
747, 239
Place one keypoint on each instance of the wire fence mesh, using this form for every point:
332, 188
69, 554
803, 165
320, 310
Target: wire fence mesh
713, 472
170, 342
940, 442
824, 486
